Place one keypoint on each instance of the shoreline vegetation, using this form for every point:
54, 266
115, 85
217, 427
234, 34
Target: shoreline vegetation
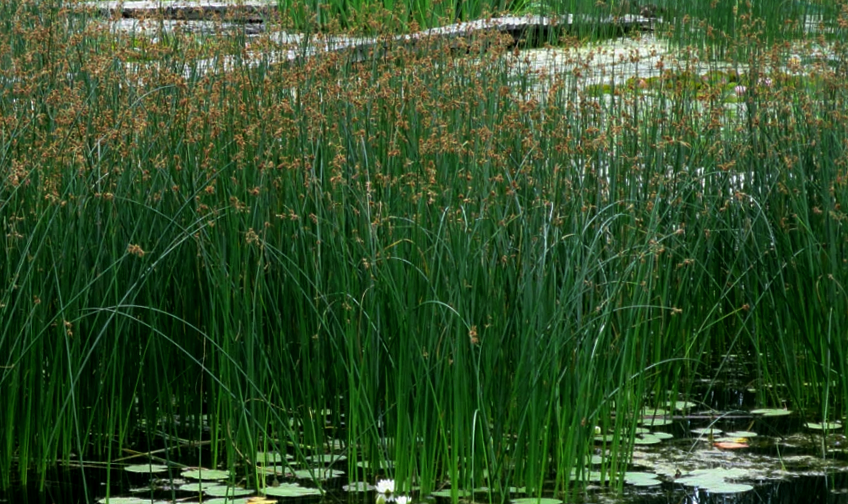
426, 258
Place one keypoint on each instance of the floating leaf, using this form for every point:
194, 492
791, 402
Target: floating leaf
318, 473
656, 422
291, 490
707, 431
226, 491
637, 478
728, 488
663, 435
535, 500
277, 470
823, 425
197, 486
741, 434
680, 405
646, 440
268, 458
146, 468
227, 500
205, 474
358, 486
123, 500
771, 412
382, 464
447, 493
325, 458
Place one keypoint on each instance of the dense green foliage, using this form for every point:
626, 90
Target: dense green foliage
451, 267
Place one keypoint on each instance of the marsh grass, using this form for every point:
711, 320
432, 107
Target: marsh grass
424, 256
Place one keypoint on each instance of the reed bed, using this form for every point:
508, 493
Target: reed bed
424, 256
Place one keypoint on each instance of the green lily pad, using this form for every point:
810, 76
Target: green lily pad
358, 486
823, 425
382, 464
654, 412
291, 490
205, 474
663, 435
607, 438
197, 486
123, 500
656, 422
646, 440
637, 478
593, 476
268, 458
771, 412
227, 500
447, 493
535, 500
317, 473
325, 458
146, 468
707, 431
276, 470
741, 434
226, 491
728, 488
716, 477
680, 405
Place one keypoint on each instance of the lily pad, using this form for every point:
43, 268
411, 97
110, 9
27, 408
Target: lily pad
656, 422
707, 431
663, 435
277, 470
771, 412
382, 464
123, 500
358, 486
728, 488
205, 474
146, 468
226, 491
646, 440
823, 425
268, 458
447, 493
317, 473
197, 486
291, 490
325, 458
741, 434
637, 478
535, 500
227, 500
680, 405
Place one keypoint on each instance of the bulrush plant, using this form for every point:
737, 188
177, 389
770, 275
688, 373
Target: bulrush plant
456, 274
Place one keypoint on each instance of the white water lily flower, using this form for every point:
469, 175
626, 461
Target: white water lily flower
402, 499
385, 487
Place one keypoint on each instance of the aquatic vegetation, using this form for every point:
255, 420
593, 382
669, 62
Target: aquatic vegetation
417, 267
